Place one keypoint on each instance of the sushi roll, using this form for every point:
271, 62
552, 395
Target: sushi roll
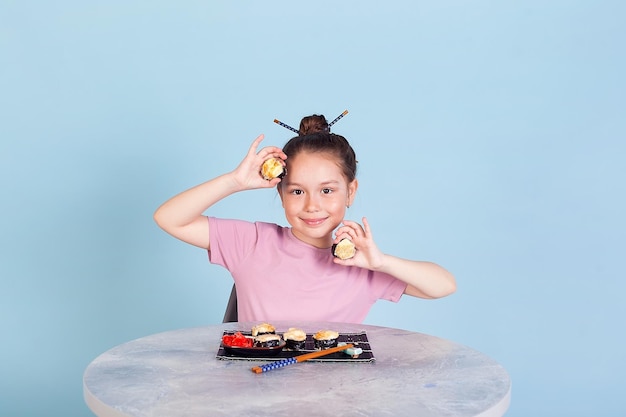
325, 339
295, 338
273, 168
267, 340
345, 249
263, 328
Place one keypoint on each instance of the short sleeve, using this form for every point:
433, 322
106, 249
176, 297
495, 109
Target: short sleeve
230, 241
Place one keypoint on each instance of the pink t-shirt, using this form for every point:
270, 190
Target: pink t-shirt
279, 277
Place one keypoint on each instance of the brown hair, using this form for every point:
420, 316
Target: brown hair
313, 123
324, 142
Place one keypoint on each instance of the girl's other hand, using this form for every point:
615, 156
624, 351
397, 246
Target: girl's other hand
367, 253
248, 174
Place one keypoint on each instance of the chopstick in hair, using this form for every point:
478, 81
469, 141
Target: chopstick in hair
286, 126
337, 118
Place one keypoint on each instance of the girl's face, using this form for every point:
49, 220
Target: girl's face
315, 195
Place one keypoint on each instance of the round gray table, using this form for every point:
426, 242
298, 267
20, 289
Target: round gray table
176, 373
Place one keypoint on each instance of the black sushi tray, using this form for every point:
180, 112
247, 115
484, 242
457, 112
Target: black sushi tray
358, 339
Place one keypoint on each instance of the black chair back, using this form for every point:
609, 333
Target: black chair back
231, 308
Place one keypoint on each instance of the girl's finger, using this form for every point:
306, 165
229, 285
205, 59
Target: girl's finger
366, 227
345, 229
358, 229
255, 144
350, 224
272, 151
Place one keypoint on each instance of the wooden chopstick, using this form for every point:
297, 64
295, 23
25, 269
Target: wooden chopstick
299, 358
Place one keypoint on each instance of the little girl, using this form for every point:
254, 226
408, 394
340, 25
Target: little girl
289, 273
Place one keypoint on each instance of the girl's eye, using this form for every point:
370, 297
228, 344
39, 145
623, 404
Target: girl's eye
327, 191
296, 192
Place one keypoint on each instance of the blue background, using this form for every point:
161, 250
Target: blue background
504, 124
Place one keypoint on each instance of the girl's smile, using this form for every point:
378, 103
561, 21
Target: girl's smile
314, 222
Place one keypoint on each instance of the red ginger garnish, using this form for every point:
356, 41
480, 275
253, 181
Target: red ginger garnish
237, 340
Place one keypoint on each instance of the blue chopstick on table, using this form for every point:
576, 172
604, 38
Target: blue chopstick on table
300, 358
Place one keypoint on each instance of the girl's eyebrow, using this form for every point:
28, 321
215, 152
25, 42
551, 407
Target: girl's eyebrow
324, 183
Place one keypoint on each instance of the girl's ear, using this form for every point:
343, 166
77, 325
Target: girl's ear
352, 187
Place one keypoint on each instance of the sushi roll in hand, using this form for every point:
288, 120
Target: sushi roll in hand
345, 249
273, 168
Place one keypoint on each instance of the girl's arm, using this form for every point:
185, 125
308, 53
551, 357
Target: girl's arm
424, 279
182, 215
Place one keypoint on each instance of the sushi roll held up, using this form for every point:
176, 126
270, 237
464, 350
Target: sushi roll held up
273, 168
345, 249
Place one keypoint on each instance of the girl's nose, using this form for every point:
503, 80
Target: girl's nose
312, 203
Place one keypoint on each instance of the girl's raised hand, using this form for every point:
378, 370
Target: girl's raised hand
248, 173
367, 253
